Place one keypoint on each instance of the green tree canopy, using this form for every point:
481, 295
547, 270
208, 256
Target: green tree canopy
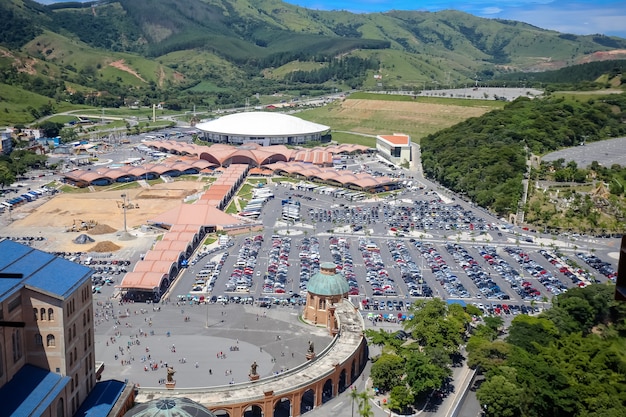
387, 371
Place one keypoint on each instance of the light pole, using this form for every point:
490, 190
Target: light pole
124, 208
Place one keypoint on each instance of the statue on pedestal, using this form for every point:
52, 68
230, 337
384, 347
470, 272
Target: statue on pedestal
253, 372
310, 353
170, 374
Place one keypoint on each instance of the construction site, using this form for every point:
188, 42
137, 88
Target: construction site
101, 215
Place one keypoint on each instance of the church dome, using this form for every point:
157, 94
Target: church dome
328, 282
169, 407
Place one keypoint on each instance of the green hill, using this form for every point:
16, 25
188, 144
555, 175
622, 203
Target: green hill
222, 52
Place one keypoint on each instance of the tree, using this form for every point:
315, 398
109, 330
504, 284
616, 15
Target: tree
435, 325
500, 397
387, 371
528, 331
401, 399
354, 395
487, 356
51, 129
365, 408
6, 176
68, 134
423, 375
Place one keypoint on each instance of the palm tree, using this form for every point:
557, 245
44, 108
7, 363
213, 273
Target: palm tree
365, 408
354, 395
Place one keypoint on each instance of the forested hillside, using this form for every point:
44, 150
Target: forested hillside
568, 361
223, 52
485, 157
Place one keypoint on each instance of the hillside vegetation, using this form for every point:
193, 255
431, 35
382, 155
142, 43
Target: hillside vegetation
485, 157
218, 53
567, 361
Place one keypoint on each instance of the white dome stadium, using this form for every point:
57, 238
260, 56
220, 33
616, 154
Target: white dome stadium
264, 128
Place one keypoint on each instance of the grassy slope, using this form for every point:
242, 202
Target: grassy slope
67, 56
14, 104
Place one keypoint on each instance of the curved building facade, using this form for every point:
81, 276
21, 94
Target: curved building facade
263, 128
296, 391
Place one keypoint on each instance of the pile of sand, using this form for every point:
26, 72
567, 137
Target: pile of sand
106, 246
102, 229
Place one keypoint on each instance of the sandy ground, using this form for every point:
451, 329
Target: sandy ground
52, 217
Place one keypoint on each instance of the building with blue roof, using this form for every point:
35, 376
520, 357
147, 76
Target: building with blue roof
47, 347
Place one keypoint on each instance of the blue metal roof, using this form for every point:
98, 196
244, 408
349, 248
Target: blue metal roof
455, 301
41, 270
101, 399
31, 391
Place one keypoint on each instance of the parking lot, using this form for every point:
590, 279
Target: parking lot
394, 251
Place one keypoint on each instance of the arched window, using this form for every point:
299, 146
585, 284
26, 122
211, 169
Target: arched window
50, 314
36, 313
50, 340
43, 314
38, 340
16, 339
60, 408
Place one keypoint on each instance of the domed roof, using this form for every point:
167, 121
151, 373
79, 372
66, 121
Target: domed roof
261, 124
328, 282
169, 407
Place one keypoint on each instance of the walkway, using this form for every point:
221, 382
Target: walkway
342, 347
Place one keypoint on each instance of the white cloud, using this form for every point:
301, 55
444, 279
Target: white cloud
491, 10
582, 20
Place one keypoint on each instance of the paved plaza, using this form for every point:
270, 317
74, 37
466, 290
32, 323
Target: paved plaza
145, 337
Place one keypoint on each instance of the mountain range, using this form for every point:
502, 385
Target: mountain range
161, 49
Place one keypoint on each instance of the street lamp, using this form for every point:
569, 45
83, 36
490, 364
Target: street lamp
124, 208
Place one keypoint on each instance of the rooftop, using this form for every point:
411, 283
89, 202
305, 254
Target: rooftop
25, 266
399, 139
261, 124
30, 391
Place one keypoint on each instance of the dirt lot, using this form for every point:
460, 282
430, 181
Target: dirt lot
54, 216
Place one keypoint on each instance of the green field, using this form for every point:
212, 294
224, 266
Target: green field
384, 114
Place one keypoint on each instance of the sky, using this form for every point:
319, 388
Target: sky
582, 17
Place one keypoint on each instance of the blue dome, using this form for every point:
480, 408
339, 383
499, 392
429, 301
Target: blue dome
169, 407
328, 282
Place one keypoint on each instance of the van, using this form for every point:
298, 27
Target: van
242, 288
390, 292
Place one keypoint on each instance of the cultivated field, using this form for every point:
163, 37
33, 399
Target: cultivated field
376, 117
